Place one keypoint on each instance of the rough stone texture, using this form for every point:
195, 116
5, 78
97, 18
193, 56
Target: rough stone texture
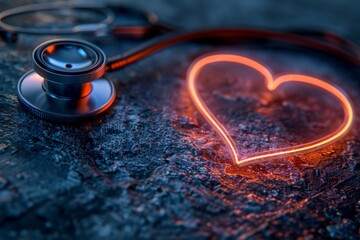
152, 168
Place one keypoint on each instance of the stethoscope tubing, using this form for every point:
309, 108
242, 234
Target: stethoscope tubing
329, 43
152, 46
61, 92
108, 11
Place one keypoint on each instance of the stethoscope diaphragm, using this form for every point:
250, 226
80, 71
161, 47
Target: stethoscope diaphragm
67, 83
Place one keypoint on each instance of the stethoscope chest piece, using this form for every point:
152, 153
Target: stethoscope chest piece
67, 83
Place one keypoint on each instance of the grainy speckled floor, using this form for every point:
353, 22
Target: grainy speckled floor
152, 168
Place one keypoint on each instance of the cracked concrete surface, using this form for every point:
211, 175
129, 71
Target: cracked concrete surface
153, 168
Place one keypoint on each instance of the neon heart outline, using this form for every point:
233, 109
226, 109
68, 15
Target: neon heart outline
271, 84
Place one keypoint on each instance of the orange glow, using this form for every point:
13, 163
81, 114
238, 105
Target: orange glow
271, 84
50, 49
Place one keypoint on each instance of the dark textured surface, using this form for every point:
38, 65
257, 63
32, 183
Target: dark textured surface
152, 168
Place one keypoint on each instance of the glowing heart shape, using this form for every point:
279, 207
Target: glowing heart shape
271, 84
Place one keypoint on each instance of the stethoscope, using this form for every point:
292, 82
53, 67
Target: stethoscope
67, 83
